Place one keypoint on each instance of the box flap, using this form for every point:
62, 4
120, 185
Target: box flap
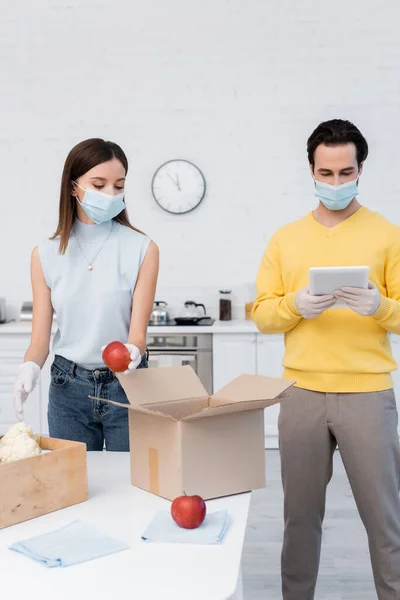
233, 407
247, 388
246, 392
163, 384
181, 409
138, 408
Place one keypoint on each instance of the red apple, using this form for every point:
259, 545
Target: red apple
116, 356
188, 511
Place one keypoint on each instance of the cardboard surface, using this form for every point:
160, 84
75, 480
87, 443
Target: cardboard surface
224, 455
41, 484
164, 384
184, 441
247, 388
155, 453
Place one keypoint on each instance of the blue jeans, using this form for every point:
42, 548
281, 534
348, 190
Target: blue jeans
74, 416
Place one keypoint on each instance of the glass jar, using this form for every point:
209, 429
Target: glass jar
225, 305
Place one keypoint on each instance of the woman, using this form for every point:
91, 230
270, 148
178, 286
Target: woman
99, 274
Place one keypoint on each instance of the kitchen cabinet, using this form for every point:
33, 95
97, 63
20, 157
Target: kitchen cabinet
269, 356
236, 351
12, 350
233, 354
252, 353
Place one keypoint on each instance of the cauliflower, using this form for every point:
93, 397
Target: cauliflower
16, 430
19, 442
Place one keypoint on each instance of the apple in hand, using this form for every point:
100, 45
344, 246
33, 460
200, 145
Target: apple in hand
188, 511
116, 356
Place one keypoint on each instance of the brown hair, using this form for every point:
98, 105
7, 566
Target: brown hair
80, 160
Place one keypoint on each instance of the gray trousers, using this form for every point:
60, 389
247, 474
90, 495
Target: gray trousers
364, 426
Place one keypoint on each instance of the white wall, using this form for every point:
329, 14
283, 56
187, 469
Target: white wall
235, 86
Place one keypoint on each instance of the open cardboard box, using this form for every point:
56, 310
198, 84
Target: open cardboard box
184, 441
41, 484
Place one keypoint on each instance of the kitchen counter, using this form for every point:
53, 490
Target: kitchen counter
146, 571
236, 326
217, 327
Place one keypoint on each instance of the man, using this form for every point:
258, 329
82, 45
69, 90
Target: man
341, 361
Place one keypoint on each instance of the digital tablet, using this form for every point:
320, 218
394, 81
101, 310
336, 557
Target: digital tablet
326, 280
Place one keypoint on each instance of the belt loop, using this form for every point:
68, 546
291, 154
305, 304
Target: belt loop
72, 369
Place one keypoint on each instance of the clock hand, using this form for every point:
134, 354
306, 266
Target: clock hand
177, 182
172, 179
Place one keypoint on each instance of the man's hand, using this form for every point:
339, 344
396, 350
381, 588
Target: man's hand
364, 302
312, 306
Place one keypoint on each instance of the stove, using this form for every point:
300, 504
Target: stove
169, 349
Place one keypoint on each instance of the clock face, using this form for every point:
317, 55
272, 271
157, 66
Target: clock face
178, 186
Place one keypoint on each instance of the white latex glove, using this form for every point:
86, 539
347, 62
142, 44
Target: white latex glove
136, 357
312, 306
25, 384
364, 302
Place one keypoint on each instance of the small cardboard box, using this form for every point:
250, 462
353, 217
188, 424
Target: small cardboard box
32, 487
184, 441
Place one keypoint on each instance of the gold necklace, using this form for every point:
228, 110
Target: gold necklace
90, 263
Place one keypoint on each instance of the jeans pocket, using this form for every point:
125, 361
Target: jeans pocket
58, 377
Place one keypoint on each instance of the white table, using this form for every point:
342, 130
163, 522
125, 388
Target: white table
146, 571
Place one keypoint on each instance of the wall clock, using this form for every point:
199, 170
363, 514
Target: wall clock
178, 186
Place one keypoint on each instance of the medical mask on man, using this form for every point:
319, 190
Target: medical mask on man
101, 207
336, 197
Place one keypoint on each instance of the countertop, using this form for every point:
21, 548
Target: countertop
146, 571
236, 326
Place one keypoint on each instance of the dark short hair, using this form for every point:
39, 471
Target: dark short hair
337, 133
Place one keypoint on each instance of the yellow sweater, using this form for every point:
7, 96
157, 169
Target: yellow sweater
339, 351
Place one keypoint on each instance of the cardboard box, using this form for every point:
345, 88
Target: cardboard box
184, 441
34, 486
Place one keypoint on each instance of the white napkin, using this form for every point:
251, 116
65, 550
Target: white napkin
163, 529
75, 543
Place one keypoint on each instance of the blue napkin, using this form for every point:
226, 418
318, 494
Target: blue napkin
163, 529
75, 543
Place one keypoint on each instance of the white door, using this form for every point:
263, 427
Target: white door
270, 350
395, 341
234, 354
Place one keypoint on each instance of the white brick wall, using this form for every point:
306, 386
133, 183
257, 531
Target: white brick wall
235, 86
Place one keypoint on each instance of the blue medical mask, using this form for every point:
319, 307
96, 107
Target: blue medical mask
336, 197
101, 207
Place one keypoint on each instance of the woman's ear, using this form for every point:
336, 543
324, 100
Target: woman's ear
74, 190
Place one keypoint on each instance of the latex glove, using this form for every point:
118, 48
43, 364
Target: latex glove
136, 357
364, 302
25, 384
312, 306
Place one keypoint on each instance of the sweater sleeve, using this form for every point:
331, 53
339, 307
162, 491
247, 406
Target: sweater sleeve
388, 313
273, 310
